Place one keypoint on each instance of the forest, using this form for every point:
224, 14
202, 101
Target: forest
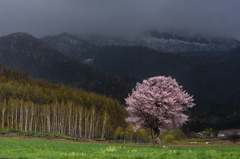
43, 106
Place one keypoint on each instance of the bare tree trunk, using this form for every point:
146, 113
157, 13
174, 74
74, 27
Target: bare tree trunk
35, 123
12, 113
69, 118
80, 122
86, 122
31, 120
60, 118
16, 116
59, 125
47, 114
75, 125
62, 125
36, 119
26, 116
42, 122
90, 128
97, 123
86, 125
55, 123
104, 124
44, 127
21, 116
48, 124
93, 120
3, 113
8, 119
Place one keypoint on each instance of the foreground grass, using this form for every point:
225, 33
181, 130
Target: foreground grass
38, 148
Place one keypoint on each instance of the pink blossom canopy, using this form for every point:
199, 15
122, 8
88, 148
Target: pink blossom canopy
157, 103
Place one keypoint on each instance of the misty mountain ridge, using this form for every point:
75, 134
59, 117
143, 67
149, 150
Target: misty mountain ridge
168, 42
84, 47
24, 52
71, 46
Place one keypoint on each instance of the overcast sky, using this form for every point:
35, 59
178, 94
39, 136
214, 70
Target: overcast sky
119, 17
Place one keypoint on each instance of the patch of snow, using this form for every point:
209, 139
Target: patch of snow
172, 44
88, 61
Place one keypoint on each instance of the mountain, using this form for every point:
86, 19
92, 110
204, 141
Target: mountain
83, 47
24, 52
168, 42
212, 80
71, 46
234, 53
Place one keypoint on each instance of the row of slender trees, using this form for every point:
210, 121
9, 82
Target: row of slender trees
60, 118
44, 106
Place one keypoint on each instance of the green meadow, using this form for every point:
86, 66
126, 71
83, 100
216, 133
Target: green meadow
38, 148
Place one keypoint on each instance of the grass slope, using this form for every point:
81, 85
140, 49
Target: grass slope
39, 148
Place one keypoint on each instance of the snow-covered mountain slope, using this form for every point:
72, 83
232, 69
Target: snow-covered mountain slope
168, 42
72, 47
83, 48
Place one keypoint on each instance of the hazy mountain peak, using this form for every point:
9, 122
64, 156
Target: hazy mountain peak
19, 34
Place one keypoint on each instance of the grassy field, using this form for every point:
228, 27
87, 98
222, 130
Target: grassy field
40, 148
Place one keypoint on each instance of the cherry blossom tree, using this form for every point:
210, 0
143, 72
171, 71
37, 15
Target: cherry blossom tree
158, 104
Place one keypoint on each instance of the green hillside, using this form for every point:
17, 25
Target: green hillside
42, 105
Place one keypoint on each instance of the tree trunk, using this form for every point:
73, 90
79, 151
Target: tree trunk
31, 120
47, 115
75, 125
85, 126
104, 124
8, 119
55, 123
3, 112
90, 127
158, 138
69, 117
48, 124
152, 134
21, 116
12, 113
80, 123
35, 123
93, 121
26, 117
96, 126
16, 117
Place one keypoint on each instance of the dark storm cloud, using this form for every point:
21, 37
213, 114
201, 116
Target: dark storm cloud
119, 17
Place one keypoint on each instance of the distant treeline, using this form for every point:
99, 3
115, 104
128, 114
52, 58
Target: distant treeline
195, 126
42, 105
232, 123
222, 124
